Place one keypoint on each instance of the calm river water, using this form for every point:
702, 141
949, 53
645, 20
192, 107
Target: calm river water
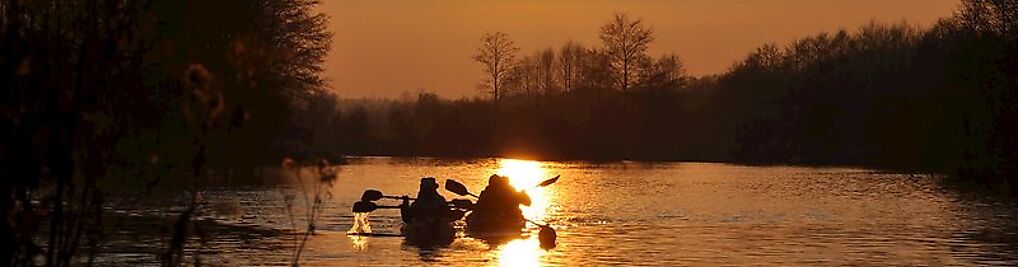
670, 214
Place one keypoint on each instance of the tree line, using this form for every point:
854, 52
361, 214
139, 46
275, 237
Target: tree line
894, 96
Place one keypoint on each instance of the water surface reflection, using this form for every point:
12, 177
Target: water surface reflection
635, 214
525, 175
521, 253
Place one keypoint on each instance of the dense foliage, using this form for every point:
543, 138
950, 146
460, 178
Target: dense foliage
99, 93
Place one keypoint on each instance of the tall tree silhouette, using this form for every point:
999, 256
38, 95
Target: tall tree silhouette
625, 41
498, 55
569, 64
662, 72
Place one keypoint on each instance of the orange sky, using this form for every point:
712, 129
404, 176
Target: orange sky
384, 48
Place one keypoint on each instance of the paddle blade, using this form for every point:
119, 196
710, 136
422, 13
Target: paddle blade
456, 187
371, 195
364, 206
456, 215
547, 236
462, 203
549, 181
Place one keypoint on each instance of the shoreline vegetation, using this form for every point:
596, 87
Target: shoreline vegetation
103, 96
937, 99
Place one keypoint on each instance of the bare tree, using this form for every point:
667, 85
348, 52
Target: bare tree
595, 71
546, 70
569, 63
625, 42
498, 55
665, 71
523, 78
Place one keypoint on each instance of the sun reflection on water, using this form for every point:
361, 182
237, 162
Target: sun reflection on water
520, 252
358, 243
525, 175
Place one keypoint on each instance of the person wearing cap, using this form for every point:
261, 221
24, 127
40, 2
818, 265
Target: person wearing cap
429, 220
498, 207
428, 206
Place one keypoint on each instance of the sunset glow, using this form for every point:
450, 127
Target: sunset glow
525, 175
429, 43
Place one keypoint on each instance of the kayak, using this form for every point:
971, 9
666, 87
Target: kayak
484, 227
420, 233
499, 237
429, 232
374, 234
440, 233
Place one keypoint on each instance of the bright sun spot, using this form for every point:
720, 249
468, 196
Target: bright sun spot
524, 175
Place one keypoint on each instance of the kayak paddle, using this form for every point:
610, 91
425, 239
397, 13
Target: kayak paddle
458, 188
374, 195
367, 206
549, 181
462, 203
